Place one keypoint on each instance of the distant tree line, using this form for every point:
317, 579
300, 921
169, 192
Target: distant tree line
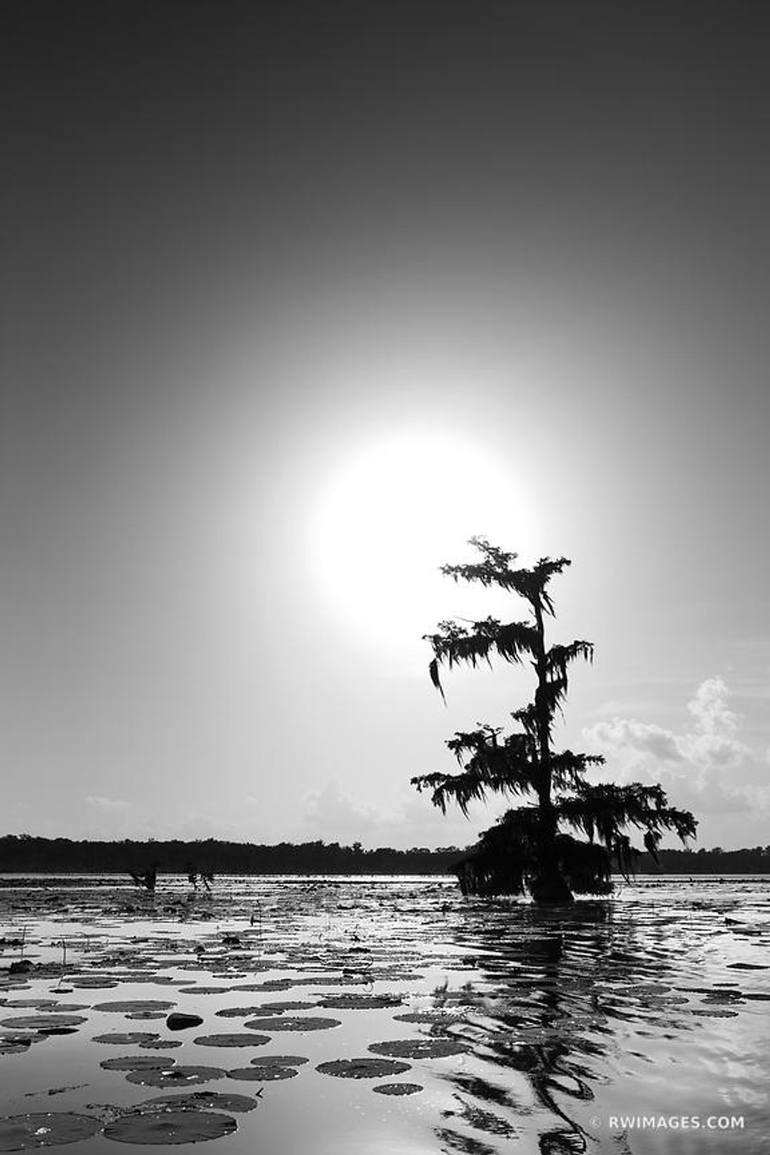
25, 853
716, 861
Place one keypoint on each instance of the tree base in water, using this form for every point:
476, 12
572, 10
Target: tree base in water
550, 888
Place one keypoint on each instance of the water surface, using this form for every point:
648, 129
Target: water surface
636, 1024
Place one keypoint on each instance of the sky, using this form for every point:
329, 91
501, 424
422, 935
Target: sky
297, 297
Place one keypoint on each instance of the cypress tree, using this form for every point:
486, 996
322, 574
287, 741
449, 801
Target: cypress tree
534, 847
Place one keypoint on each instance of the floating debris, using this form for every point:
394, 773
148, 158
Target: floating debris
179, 1021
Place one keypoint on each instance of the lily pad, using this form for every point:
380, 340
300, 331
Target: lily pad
45, 1129
263, 1073
716, 1013
202, 1101
354, 980
38, 1004
360, 1002
398, 1089
202, 991
280, 1061
264, 1008
42, 1022
362, 1068
94, 982
18, 1048
238, 1012
433, 1017
292, 1023
175, 1076
170, 1127
156, 980
234, 1040
125, 1038
419, 1048
137, 1063
128, 1006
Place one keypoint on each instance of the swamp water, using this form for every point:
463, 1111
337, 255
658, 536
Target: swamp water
371, 1016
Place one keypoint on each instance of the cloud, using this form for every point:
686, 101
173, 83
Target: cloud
410, 820
330, 809
710, 710
620, 734
102, 803
706, 768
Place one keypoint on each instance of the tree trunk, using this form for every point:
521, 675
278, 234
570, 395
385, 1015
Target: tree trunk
549, 884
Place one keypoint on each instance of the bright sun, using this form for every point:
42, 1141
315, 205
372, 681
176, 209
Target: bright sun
393, 512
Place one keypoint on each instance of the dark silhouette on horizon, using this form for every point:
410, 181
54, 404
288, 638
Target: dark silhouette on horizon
25, 853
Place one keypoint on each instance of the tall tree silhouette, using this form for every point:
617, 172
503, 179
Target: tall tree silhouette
528, 849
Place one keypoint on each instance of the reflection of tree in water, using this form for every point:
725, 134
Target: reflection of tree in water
554, 982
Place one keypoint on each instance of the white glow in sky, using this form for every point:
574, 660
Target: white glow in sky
396, 509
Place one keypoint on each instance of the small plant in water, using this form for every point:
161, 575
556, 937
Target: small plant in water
194, 876
63, 943
441, 992
147, 879
256, 920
